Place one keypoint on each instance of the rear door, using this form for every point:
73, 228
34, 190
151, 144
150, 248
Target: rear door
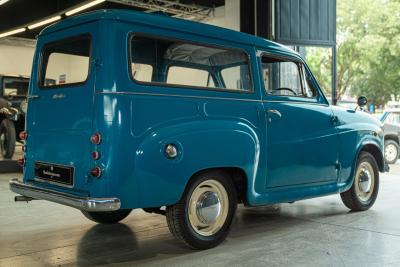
60, 113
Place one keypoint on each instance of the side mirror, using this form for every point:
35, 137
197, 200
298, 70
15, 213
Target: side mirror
362, 101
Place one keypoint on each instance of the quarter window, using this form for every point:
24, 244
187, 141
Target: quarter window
66, 62
179, 63
285, 77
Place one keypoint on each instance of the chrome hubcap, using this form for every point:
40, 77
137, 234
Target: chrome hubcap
365, 181
208, 207
390, 152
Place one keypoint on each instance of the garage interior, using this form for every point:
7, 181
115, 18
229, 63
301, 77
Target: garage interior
316, 232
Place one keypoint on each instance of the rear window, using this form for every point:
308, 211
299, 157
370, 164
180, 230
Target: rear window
187, 64
65, 62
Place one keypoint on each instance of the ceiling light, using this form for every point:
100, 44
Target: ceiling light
78, 9
3, 2
44, 22
4, 34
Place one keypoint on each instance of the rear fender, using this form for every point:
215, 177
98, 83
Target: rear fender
201, 145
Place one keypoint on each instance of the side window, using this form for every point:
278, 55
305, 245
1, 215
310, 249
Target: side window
65, 62
179, 63
285, 77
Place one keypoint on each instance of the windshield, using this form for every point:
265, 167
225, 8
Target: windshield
15, 87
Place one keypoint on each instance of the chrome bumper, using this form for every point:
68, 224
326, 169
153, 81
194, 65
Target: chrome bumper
82, 203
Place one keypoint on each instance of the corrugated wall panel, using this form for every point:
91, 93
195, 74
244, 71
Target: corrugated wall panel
306, 22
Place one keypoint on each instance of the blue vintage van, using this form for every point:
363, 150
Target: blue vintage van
186, 120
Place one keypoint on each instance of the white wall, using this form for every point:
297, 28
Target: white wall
16, 55
227, 16
16, 58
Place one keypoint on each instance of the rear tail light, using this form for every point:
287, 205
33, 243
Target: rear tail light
95, 155
96, 172
21, 162
95, 138
23, 135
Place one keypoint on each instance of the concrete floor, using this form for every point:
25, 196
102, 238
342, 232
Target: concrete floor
318, 232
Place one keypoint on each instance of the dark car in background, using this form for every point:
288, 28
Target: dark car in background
391, 122
13, 91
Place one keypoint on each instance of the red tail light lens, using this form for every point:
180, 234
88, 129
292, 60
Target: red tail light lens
95, 155
23, 135
96, 172
95, 138
21, 162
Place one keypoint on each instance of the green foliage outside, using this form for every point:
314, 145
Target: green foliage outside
368, 47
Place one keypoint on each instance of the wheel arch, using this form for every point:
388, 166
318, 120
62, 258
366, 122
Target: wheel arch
236, 174
376, 152
393, 137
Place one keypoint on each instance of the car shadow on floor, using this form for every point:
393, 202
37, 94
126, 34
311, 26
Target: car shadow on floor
105, 244
113, 244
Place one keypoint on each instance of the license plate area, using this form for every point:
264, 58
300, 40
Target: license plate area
54, 173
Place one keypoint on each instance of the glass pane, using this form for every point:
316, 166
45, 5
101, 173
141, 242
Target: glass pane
188, 64
281, 77
142, 72
179, 75
237, 77
67, 62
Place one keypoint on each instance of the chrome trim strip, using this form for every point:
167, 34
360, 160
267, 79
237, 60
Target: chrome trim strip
81, 203
175, 95
212, 97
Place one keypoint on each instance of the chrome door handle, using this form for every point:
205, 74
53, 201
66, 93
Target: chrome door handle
274, 111
58, 96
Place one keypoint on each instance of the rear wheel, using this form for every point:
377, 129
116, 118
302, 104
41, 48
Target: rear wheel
107, 217
7, 138
364, 191
391, 151
203, 216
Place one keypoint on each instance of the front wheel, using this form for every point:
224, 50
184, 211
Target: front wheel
7, 138
391, 151
203, 216
107, 217
364, 191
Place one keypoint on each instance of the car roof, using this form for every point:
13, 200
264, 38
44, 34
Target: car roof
163, 21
